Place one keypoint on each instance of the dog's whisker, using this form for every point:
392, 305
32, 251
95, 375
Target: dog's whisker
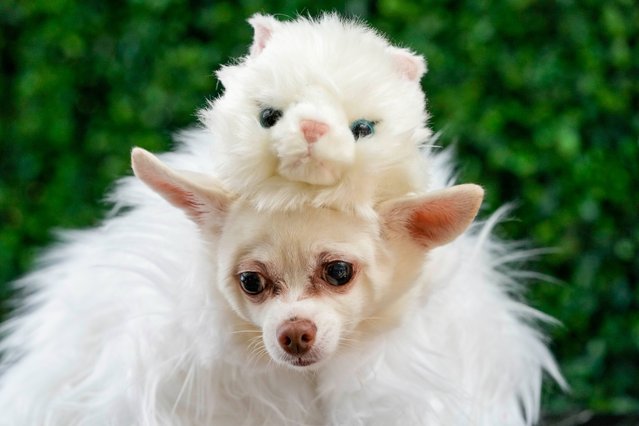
245, 331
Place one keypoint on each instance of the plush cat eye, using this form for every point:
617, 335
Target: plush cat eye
337, 273
269, 116
362, 128
252, 283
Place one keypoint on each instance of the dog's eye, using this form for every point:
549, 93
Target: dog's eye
362, 128
269, 116
338, 272
251, 282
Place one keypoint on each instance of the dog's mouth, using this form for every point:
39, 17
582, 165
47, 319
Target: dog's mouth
302, 362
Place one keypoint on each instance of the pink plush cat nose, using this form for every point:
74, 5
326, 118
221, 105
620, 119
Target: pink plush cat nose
313, 130
297, 336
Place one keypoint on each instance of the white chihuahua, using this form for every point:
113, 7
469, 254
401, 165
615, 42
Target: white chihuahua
322, 276
300, 317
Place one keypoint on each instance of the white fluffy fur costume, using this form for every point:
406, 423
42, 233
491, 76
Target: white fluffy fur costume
133, 323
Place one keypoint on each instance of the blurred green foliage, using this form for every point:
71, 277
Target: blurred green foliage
541, 99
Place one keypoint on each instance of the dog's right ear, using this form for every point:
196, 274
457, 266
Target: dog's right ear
433, 219
200, 197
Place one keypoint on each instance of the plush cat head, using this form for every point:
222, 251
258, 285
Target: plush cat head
323, 111
305, 283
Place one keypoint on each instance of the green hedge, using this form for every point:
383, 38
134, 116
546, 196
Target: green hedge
541, 99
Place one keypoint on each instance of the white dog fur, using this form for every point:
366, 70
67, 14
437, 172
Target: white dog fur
142, 321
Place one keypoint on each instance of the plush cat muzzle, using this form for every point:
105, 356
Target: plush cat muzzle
313, 130
314, 152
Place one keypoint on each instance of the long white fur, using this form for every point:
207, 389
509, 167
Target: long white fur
124, 323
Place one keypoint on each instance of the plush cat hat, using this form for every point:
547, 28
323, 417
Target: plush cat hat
322, 112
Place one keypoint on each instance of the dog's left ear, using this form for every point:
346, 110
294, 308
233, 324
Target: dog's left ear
201, 197
434, 219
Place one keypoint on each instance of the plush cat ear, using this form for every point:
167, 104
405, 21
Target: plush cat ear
434, 219
410, 65
200, 197
263, 27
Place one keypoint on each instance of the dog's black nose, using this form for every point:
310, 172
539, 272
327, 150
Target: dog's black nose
297, 336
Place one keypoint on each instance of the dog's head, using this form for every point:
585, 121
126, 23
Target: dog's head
314, 280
